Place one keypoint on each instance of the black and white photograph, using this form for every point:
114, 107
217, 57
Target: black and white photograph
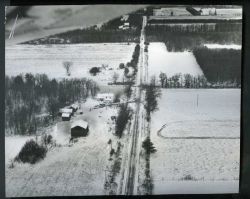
122, 99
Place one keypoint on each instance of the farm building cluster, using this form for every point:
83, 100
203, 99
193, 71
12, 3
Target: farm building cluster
105, 97
68, 112
80, 127
125, 24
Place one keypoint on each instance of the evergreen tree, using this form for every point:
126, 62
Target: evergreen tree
148, 146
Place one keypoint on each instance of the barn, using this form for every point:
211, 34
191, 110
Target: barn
79, 128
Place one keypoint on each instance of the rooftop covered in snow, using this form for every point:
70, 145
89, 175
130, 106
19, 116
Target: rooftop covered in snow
66, 110
65, 114
80, 123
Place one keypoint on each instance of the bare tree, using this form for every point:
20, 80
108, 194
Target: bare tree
67, 65
163, 77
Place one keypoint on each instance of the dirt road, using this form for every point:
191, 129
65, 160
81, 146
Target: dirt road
133, 158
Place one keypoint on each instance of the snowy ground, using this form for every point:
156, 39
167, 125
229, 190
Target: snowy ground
230, 46
68, 170
49, 59
171, 63
212, 164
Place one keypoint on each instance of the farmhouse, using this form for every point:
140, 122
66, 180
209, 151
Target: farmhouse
105, 97
66, 116
79, 128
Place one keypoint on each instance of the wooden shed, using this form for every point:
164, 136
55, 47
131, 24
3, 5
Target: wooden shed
79, 128
66, 116
74, 107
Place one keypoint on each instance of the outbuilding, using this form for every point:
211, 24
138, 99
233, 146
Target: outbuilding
74, 107
66, 116
79, 128
66, 110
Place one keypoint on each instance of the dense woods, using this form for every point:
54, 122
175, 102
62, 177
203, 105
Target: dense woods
220, 66
90, 36
33, 101
181, 38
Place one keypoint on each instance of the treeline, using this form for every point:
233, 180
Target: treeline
193, 21
28, 96
132, 65
183, 81
90, 36
182, 40
194, 81
151, 95
220, 65
204, 27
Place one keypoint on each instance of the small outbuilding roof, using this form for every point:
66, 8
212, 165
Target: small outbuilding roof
80, 123
65, 114
74, 106
66, 110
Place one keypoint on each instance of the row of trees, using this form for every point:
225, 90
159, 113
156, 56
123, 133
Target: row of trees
183, 81
27, 96
133, 63
151, 105
182, 40
90, 36
152, 93
195, 27
123, 117
190, 81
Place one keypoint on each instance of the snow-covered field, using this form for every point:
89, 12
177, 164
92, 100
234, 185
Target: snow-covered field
49, 59
67, 170
209, 160
171, 63
230, 46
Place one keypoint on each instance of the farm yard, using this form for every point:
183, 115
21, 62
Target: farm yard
83, 161
158, 113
